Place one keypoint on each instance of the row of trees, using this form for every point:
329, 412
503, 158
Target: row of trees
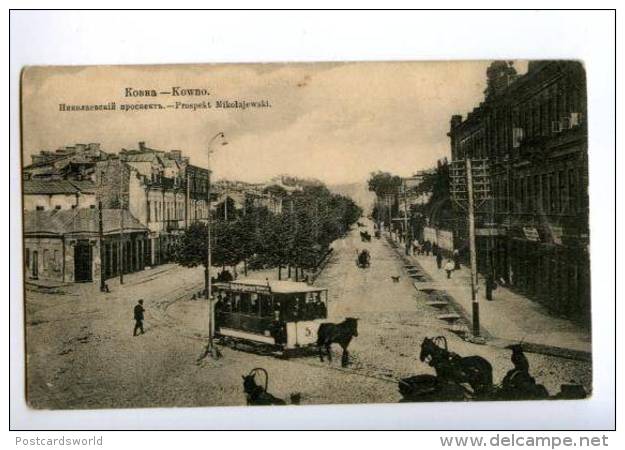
437, 211
386, 188
310, 221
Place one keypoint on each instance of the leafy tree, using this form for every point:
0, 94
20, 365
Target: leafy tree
311, 219
191, 249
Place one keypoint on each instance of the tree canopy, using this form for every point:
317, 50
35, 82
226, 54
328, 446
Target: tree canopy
311, 219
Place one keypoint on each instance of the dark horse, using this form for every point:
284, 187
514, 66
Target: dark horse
341, 333
258, 395
474, 370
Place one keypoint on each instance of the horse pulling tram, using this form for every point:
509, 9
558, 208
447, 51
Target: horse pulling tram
284, 315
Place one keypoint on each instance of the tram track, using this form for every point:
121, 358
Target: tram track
359, 368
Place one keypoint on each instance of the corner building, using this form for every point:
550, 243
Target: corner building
533, 233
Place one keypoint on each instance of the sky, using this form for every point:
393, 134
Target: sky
334, 122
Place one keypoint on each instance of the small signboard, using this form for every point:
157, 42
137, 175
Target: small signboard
489, 231
556, 234
531, 234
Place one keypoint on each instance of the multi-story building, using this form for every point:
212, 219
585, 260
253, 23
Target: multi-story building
533, 229
154, 194
159, 190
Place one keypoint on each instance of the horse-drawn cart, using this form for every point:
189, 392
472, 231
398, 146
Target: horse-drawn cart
363, 260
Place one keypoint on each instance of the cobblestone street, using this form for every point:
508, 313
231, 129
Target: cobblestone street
93, 361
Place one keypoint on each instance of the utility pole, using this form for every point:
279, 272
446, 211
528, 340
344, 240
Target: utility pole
121, 224
210, 347
473, 256
470, 184
408, 233
101, 235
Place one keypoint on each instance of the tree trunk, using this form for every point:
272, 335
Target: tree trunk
289, 271
245, 266
279, 272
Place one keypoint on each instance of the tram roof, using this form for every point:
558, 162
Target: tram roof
275, 286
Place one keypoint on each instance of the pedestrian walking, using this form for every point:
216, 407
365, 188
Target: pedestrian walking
491, 285
139, 318
456, 257
416, 247
427, 247
449, 268
439, 259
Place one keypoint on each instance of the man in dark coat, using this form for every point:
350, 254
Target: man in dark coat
439, 259
138, 318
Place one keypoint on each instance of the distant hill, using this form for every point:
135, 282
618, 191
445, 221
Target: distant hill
358, 192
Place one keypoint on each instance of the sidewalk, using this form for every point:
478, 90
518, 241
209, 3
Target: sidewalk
511, 317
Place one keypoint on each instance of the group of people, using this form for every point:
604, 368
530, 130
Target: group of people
426, 248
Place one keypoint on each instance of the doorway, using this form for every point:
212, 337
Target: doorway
82, 261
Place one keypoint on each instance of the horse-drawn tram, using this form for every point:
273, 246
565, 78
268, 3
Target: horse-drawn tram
282, 314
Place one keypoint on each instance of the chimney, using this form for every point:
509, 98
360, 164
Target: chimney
142, 146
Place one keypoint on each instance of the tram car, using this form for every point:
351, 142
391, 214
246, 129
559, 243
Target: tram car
282, 314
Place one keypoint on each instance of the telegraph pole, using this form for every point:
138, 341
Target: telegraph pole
473, 256
407, 231
470, 184
121, 224
101, 235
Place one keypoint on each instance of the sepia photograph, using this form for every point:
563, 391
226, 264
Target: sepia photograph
306, 233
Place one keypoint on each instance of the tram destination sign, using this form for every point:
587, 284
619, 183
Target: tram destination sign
255, 288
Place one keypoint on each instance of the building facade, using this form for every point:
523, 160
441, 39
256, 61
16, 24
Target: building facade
531, 133
68, 245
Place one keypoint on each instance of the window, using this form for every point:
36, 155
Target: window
537, 193
90, 206
27, 257
552, 193
57, 207
545, 192
572, 191
149, 211
39, 208
563, 199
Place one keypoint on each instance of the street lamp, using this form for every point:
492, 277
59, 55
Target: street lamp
210, 348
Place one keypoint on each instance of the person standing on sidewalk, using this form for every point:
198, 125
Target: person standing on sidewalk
456, 257
139, 310
449, 268
439, 259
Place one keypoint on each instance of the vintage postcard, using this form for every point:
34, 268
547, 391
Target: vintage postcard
311, 233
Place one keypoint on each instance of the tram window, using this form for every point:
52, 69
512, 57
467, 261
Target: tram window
247, 305
236, 303
254, 307
315, 307
265, 306
226, 301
